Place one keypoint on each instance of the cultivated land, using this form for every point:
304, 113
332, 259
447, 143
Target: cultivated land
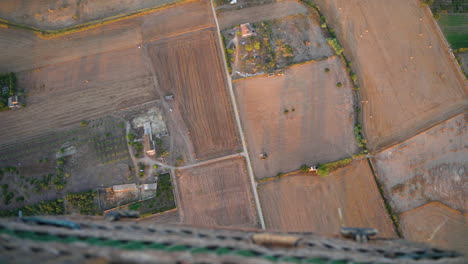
34, 52
428, 167
57, 14
190, 67
260, 13
409, 81
307, 202
65, 93
438, 225
299, 118
217, 194
455, 28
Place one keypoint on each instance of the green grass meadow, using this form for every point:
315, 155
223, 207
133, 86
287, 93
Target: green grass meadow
455, 28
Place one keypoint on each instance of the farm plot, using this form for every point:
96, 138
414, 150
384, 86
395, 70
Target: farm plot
190, 68
275, 44
408, 79
455, 28
58, 14
64, 94
74, 160
299, 118
428, 167
306, 202
217, 194
438, 225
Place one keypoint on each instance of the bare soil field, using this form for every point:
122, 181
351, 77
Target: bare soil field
57, 14
22, 50
217, 194
63, 94
428, 167
438, 225
307, 202
409, 81
299, 118
190, 67
260, 13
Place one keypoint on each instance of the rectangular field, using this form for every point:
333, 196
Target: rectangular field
63, 94
299, 118
190, 67
217, 194
428, 167
307, 202
408, 79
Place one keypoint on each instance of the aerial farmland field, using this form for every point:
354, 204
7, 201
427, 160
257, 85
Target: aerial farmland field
308, 202
455, 28
436, 224
409, 81
299, 118
190, 68
217, 194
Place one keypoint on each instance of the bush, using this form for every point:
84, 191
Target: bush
339, 84
248, 47
358, 135
84, 202
327, 70
84, 123
257, 45
325, 169
333, 42
304, 168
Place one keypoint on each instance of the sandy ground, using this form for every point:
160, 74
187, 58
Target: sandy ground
260, 13
217, 194
63, 94
57, 14
428, 167
438, 225
406, 73
190, 68
307, 202
320, 129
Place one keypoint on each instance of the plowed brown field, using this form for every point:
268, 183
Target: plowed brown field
428, 167
63, 94
307, 202
408, 79
191, 68
318, 126
438, 225
217, 194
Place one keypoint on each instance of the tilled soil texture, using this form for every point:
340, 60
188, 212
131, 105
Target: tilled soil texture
190, 68
58, 14
428, 167
307, 202
409, 81
299, 118
217, 194
438, 225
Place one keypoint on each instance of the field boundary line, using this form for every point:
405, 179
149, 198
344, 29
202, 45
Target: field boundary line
52, 33
422, 130
287, 67
239, 125
206, 162
201, 28
436, 203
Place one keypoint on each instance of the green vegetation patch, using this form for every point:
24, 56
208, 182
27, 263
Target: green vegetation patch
325, 169
54, 207
84, 202
455, 28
